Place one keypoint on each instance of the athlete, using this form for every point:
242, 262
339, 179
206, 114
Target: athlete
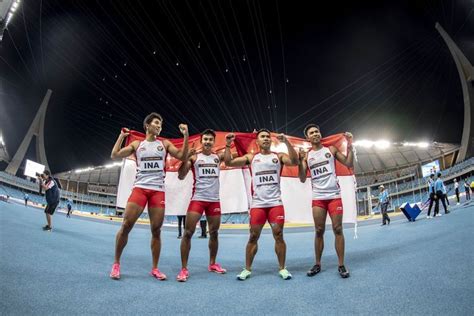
266, 203
205, 199
326, 193
149, 186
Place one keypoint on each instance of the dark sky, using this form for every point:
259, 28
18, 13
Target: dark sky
376, 68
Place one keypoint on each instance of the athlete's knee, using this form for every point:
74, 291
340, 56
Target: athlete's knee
213, 234
278, 235
188, 233
126, 227
156, 232
320, 231
253, 237
337, 229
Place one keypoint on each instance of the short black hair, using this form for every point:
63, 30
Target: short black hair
150, 117
432, 175
439, 174
305, 131
208, 131
47, 172
266, 130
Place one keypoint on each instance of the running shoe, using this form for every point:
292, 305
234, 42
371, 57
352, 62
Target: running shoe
314, 270
244, 275
216, 268
47, 228
285, 274
183, 275
447, 212
157, 274
438, 215
343, 272
115, 273
428, 217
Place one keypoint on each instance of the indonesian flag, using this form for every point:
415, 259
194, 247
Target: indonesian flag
235, 183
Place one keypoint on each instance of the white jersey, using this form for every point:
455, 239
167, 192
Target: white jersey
266, 171
322, 169
206, 178
151, 158
456, 185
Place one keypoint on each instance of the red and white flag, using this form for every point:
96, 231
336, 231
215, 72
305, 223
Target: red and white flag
235, 182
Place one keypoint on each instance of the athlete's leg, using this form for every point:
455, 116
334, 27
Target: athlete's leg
319, 217
214, 223
191, 220
252, 245
157, 215
280, 245
131, 214
336, 220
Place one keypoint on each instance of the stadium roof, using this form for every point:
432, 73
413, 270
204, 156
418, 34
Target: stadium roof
380, 156
108, 174
375, 157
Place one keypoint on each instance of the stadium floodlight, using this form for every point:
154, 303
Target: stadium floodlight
84, 170
111, 165
1, 141
364, 143
423, 145
12, 10
382, 144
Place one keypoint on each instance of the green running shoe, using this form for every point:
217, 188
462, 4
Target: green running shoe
244, 275
285, 274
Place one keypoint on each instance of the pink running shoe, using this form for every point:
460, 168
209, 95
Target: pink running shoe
158, 275
183, 275
216, 268
115, 273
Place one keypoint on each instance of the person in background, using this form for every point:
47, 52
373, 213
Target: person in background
439, 195
203, 224
69, 208
181, 222
432, 194
466, 190
445, 194
26, 197
456, 190
51, 192
383, 203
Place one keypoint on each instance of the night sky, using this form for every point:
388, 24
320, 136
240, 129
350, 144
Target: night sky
376, 68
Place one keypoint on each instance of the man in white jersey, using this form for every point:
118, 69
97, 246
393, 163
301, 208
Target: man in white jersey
205, 199
320, 161
149, 186
266, 203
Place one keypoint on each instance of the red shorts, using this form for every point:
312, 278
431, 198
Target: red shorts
211, 208
155, 199
333, 206
274, 215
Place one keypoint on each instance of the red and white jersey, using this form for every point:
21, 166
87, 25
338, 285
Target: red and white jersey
151, 158
322, 169
266, 170
206, 178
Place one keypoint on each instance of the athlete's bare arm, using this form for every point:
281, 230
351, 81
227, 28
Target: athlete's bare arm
290, 159
180, 154
126, 151
186, 165
237, 161
302, 165
348, 160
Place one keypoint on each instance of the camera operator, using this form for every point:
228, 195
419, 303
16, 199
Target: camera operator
51, 191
